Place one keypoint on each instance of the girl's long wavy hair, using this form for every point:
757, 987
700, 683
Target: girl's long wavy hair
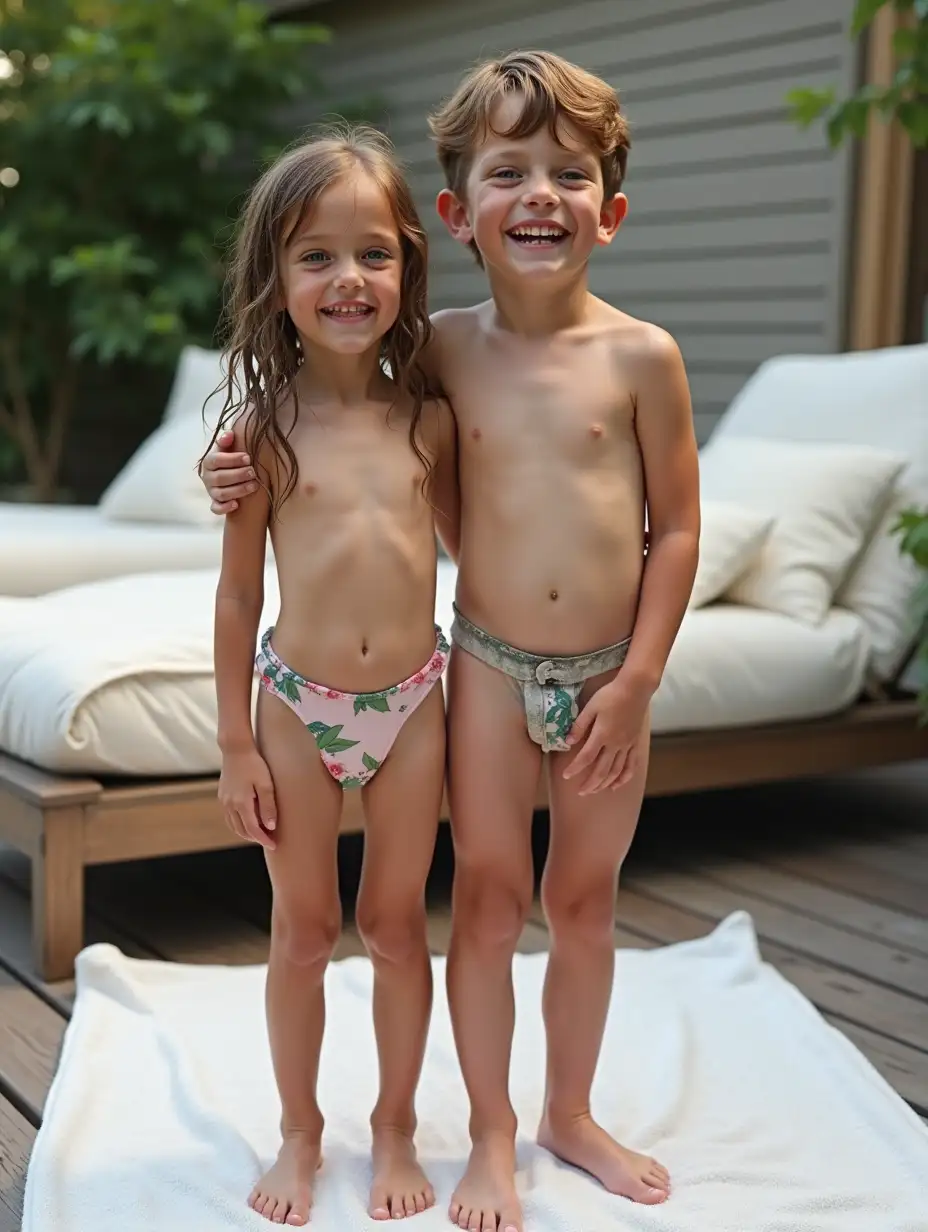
262, 350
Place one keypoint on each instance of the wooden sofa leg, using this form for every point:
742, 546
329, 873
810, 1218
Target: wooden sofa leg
58, 893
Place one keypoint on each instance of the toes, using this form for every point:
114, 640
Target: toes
489, 1222
463, 1219
510, 1221
380, 1204
409, 1202
299, 1215
429, 1196
419, 1203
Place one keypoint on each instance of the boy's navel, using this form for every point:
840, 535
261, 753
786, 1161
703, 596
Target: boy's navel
553, 594
476, 433
596, 430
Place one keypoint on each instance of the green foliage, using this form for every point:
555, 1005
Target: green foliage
905, 99
912, 528
129, 131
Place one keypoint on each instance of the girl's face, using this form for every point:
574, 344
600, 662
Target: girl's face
342, 268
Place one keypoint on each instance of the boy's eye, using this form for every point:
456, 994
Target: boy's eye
505, 173
574, 175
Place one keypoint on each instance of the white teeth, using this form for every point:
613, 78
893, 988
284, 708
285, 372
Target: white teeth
348, 310
542, 231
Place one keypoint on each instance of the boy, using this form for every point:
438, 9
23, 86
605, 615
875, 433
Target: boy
571, 417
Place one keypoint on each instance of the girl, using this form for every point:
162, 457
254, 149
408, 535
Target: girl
328, 293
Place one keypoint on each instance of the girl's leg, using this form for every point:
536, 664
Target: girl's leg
590, 836
305, 925
402, 803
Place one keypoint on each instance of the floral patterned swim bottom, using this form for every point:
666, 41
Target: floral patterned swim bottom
354, 732
549, 687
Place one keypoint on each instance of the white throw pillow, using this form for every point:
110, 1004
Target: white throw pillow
826, 500
199, 373
730, 539
874, 398
160, 482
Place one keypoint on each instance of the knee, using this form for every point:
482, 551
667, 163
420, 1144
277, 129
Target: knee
581, 917
490, 910
303, 937
391, 937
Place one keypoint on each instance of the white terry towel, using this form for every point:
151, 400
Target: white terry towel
164, 1113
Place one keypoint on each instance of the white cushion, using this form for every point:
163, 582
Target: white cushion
877, 398
49, 547
199, 373
826, 500
160, 482
730, 540
134, 692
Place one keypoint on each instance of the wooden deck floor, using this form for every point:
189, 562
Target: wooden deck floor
834, 873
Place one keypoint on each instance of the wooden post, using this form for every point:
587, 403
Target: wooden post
58, 893
883, 210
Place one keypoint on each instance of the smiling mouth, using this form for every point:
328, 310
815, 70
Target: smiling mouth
538, 235
347, 312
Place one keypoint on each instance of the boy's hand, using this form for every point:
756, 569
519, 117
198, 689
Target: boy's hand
227, 476
246, 793
611, 723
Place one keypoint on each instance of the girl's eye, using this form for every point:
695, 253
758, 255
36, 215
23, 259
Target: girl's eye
314, 258
377, 254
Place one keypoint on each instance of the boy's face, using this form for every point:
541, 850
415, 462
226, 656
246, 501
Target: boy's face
533, 206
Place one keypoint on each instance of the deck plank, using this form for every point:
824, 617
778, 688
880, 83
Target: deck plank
821, 902
829, 867
16, 1139
31, 1033
877, 960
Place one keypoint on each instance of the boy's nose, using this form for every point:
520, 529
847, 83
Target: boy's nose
540, 193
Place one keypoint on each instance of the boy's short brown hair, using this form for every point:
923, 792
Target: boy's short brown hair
553, 89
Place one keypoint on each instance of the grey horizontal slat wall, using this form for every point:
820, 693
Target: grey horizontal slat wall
738, 228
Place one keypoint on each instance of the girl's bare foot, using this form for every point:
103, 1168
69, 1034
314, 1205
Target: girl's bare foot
400, 1187
584, 1144
285, 1192
486, 1197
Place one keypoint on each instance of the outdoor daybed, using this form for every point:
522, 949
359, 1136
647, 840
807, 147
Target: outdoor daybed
788, 662
152, 516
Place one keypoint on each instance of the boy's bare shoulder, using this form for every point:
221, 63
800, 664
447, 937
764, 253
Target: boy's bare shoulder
636, 340
459, 323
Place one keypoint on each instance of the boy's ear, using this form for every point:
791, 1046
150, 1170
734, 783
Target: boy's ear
453, 214
611, 217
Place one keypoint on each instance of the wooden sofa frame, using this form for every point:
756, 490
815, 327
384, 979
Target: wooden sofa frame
65, 824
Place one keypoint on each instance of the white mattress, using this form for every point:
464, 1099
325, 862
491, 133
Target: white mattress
117, 677
47, 547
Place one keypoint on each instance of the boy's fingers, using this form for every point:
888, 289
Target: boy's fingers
223, 507
223, 460
599, 774
233, 485
585, 756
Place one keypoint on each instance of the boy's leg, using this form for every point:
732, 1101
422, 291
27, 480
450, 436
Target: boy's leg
402, 803
590, 836
493, 779
305, 924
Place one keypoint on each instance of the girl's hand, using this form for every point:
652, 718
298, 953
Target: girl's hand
246, 793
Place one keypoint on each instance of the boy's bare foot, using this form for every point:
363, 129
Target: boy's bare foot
486, 1197
586, 1145
400, 1187
285, 1192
